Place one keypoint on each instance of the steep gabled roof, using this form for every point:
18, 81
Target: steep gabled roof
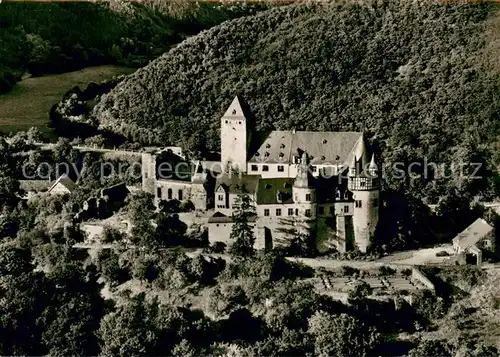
322, 147
478, 230
64, 180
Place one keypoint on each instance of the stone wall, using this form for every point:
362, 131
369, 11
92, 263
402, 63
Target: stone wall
418, 276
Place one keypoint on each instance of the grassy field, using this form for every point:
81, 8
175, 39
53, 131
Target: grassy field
29, 103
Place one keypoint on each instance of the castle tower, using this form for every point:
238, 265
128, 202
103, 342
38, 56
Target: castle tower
148, 172
304, 196
365, 186
234, 138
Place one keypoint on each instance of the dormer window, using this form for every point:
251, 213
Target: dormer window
282, 146
323, 158
268, 146
266, 154
281, 154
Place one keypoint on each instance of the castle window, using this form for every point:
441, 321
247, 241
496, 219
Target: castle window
281, 168
278, 211
346, 209
290, 211
375, 202
221, 197
321, 210
180, 195
308, 196
169, 193
308, 213
332, 210
255, 168
359, 204
266, 212
158, 192
265, 168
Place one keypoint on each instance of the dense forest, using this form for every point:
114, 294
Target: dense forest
146, 296
420, 78
41, 38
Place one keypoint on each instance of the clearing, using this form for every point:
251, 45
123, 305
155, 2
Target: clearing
29, 102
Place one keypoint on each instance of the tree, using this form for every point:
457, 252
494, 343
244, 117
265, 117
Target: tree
9, 187
15, 261
341, 335
63, 153
170, 230
437, 348
140, 206
242, 231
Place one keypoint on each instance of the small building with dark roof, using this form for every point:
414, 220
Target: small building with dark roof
472, 240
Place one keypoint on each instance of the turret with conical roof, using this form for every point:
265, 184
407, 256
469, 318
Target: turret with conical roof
372, 167
365, 187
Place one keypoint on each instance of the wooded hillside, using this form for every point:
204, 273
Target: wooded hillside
58, 37
418, 78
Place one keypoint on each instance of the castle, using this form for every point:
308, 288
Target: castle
320, 184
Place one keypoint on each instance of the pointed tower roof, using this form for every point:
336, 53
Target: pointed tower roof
303, 160
372, 165
235, 109
360, 151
